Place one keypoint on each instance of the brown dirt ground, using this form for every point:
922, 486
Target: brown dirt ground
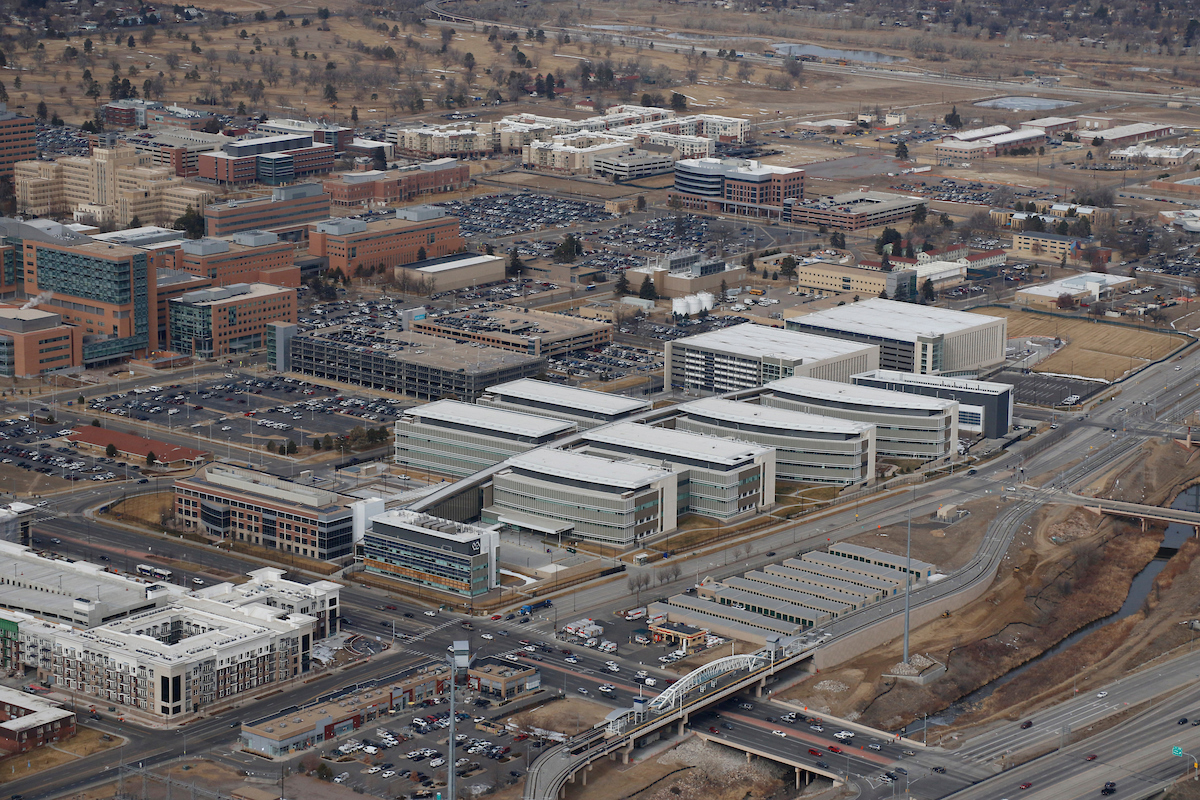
144, 509
86, 742
569, 715
944, 545
1093, 349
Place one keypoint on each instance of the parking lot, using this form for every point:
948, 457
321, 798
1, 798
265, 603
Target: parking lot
252, 411
608, 363
1047, 390
63, 140
500, 215
970, 192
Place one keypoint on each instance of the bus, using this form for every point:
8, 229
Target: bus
147, 571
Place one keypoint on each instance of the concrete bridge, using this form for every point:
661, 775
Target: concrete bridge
1119, 508
804, 771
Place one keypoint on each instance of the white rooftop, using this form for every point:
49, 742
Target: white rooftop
588, 468
1047, 122
487, 417
765, 341
881, 399
894, 320
570, 397
767, 416
1078, 283
459, 264
676, 443
980, 133
983, 387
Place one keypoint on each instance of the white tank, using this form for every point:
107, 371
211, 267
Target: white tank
693, 304
679, 305
706, 300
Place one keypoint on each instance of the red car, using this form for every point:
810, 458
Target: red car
1092, 757
711, 729
520, 737
813, 752
833, 748
1026, 785
497, 616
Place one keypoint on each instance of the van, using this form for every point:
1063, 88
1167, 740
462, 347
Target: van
650, 682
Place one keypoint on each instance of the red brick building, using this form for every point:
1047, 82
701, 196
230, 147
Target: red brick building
351, 243
17, 139
28, 721
133, 447
378, 187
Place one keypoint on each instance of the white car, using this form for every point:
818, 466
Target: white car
226, 428
437, 762
391, 773
374, 770
431, 613
875, 746
843, 735
571, 660
486, 636
779, 733
1102, 695
510, 657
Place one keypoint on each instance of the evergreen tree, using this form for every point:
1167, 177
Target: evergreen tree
622, 285
151, 458
927, 291
902, 151
648, 292
515, 265
421, 254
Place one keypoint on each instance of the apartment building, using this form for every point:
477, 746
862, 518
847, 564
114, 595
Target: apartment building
746, 356
106, 290
33, 342
289, 208
449, 437
431, 552
18, 139
907, 426
735, 186
537, 333
809, 448
583, 408
914, 338
383, 187
353, 243
246, 257
227, 320
28, 722
253, 507
267, 588
110, 187
175, 661
611, 501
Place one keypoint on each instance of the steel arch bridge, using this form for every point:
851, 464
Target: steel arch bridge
704, 674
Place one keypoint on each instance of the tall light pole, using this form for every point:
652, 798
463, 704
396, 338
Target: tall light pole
908, 571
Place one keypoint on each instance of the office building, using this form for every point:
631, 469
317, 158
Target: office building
179, 149
435, 553
825, 276
746, 356
809, 448
337, 136
107, 290
374, 188
852, 211
352, 243
246, 257
227, 320
273, 160
33, 341
914, 338
175, 661
538, 333
582, 407
717, 477
735, 186
111, 187
28, 722
259, 509
1047, 246
288, 208
421, 366
907, 426
18, 139
449, 437
1085, 288
984, 407
555, 492
135, 113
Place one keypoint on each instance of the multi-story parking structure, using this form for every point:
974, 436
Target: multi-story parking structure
537, 333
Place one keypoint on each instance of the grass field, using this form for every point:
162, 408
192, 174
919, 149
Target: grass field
1093, 349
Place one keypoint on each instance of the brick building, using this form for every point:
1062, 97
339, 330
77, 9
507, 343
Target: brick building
273, 160
246, 257
28, 722
133, 447
735, 186
33, 341
18, 136
289, 208
379, 187
351, 243
227, 320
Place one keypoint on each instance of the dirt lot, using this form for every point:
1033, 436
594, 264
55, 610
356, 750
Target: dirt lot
86, 742
570, 715
152, 510
1093, 349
